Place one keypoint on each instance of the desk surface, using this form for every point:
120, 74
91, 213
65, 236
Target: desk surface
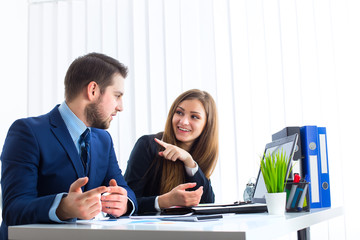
240, 226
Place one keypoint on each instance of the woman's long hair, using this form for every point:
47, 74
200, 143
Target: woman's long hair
205, 148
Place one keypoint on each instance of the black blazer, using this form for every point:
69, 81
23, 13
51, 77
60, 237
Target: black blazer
145, 181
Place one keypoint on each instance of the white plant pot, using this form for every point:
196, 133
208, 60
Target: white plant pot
276, 203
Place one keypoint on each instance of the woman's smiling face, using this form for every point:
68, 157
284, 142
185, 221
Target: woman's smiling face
189, 121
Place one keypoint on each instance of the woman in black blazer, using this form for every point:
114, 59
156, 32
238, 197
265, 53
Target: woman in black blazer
173, 168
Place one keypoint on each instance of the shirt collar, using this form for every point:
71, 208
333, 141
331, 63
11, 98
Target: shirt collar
75, 126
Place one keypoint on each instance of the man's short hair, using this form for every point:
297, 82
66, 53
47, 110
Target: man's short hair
95, 67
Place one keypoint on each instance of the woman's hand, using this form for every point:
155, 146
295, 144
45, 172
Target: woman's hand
178, 196
174, 153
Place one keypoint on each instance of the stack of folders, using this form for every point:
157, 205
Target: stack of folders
313, 163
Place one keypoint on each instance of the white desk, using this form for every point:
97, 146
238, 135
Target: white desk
242, 226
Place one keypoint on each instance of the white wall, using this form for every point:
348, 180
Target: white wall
13, 64
269, 64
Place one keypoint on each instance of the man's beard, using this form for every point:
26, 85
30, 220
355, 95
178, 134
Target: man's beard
94, 116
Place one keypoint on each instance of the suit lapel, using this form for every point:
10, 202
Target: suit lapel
92, 166
61, 132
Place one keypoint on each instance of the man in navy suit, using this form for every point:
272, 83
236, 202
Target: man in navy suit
45, 177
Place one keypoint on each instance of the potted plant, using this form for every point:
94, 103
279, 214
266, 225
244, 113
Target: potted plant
274, 168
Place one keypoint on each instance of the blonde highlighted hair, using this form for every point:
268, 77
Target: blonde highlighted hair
205, 149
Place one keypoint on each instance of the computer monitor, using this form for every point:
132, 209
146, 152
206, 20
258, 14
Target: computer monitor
288, 145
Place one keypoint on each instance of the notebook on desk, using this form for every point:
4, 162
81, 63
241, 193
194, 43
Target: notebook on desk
201, 209
258, 203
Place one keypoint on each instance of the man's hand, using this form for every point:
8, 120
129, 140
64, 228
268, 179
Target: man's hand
115, 203
174, 153
78, 204
178, 196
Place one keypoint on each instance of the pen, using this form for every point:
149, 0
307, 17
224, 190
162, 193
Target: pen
297, 196
301, 201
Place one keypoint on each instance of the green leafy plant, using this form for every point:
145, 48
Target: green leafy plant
274, 170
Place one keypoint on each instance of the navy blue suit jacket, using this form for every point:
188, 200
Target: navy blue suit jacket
40, 160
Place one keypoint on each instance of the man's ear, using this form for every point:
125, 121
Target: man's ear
93, 90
